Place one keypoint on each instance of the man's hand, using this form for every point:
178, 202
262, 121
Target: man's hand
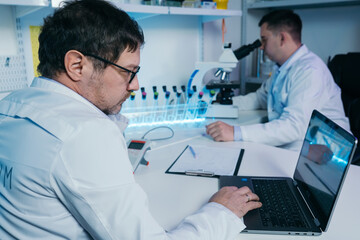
220, 131
320, 154
238, 200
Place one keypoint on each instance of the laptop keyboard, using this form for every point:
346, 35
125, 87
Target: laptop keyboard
279, 205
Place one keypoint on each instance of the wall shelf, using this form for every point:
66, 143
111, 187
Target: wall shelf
139, 11
300, 4
43, 3
206, 14
24, 7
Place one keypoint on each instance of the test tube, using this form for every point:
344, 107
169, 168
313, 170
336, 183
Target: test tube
166, 105
143, 97
177, 106
156, 95
155, 106
194, 88
200, 106
143, 104
131, 107
183, 88
132, 100
167, 98
188, 107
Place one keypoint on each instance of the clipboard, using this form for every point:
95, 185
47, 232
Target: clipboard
204, 161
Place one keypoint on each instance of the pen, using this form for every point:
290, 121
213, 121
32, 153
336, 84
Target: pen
192, 152
199, 173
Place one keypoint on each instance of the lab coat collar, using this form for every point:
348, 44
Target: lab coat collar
301, 51
49, 84
54, 86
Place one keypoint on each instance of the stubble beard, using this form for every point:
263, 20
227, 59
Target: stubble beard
117, 108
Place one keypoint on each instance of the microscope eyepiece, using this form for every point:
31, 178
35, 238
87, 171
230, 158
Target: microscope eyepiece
246, 49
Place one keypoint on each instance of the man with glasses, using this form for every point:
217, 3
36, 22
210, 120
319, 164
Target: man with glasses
300, 82
64, 167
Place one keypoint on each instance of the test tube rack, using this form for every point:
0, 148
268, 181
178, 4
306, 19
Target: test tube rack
175, 114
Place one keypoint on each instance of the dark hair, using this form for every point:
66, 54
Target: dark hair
88, 26
284, 20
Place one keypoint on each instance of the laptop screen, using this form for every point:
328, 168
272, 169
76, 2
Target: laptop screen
324, 159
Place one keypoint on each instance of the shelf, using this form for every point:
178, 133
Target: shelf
139, 11
24, 7
301, 4
206, 14
42, 3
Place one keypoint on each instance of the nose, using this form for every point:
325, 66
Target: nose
262, 45
134, 85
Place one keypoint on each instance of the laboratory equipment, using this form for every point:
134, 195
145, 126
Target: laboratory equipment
136, 151
193, 103
227, 62
226, 87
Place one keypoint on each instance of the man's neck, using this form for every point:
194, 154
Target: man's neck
289, 52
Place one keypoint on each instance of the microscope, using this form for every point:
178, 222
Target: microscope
222, 105
227, 62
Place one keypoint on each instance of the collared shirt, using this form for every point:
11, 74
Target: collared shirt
303, 83
65, 174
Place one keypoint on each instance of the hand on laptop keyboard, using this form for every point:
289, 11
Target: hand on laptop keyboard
238, 200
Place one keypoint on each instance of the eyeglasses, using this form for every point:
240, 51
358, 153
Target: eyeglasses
107, 61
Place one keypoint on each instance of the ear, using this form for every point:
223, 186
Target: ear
283, 38
74, 64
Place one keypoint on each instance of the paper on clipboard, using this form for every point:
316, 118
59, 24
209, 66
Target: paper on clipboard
212, 161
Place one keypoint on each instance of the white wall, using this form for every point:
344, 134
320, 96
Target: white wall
326, 31
170, 51
330, 31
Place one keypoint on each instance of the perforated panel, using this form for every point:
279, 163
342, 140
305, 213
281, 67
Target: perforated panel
12, 68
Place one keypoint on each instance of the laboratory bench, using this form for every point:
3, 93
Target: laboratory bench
173, 197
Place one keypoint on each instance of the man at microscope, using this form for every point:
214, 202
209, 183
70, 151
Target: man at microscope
300, 83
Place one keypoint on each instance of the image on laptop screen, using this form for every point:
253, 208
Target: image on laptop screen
324, 156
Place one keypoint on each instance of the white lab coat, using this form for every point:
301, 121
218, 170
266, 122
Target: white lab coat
303, 83
65, 174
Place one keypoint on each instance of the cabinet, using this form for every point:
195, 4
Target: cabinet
329, 27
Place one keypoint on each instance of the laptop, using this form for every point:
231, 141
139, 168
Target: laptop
302, 205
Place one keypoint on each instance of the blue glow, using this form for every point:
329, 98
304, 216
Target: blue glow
178, 114
339, 160
184, 121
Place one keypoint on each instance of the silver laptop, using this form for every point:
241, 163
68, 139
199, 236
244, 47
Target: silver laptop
302, 205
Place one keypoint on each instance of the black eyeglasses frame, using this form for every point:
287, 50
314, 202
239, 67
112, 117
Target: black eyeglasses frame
133, 74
